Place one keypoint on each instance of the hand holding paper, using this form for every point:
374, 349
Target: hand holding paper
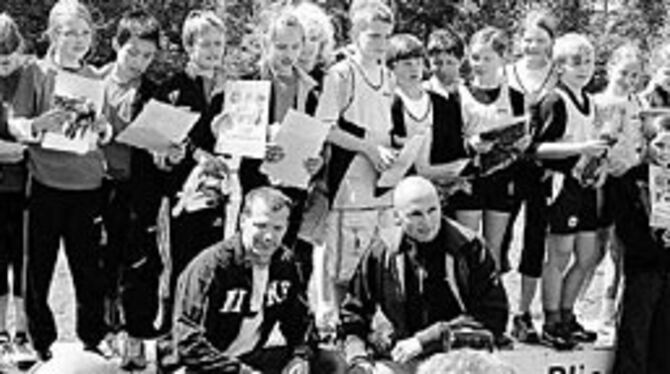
405, 160
158, 127
301, 137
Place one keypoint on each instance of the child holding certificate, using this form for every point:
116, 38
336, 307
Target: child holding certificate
133, 191
65, 194
488, 101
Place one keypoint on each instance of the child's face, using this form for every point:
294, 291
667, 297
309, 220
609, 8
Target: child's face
409, 71
310, 50
625, 75
208, 48
485, 62
578, 69
536, 43
662, 76
134, 57
283, 50
9, 64
372, 41
74, 38
445, 66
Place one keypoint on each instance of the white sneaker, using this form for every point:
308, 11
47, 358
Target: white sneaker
133, 357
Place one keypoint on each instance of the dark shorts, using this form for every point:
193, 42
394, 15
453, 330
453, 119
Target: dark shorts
494, 192
575, 209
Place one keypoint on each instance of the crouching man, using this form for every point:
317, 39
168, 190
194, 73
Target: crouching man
232, 295
436, 291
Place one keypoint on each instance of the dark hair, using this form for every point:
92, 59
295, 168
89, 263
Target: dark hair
404, 47
274, 198
493, 37
140, 24
445, 41
10, 37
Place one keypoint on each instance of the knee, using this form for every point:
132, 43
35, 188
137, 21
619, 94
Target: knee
559, 259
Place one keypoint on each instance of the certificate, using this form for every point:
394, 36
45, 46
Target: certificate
405, 160
158, 126
242, 127
74, 86
300, 137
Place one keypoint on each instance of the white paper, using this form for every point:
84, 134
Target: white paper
10, 152
76, 86
244, 122
79, 144
659, 188
405, 160
300, 136
158, 126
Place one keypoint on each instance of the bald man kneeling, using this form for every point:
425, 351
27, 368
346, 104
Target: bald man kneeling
438, 279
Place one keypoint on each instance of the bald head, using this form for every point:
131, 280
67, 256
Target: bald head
417, 208
413, 188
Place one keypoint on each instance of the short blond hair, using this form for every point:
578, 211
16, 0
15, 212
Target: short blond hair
362, 16
465, 361
311, 14
65, 9
197, 22
570, 45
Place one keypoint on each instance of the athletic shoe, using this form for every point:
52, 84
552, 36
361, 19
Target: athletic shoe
558, 336
580, 333
523, 329
22, 353
133, 357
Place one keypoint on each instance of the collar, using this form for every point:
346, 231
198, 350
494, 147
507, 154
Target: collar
302, 78
113, 74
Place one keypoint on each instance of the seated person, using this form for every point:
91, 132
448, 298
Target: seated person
440, 280
233, 294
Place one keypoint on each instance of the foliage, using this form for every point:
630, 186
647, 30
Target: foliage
642, 21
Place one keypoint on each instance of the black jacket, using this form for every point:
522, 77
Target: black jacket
378, 282
204, 327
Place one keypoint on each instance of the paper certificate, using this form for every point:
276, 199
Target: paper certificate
300, 136
75, 86
659, 188
81, 143
158, 126
405, 160
242, 127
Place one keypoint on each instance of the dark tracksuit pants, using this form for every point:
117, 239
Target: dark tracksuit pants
130, 259
11, 241
532, 190
70, 215
644, 332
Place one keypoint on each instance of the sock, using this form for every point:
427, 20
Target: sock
567, 314
552, 317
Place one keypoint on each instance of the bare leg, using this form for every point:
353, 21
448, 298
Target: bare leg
495, 226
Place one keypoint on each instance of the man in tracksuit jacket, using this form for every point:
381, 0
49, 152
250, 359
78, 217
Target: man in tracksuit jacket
644, 330
439, 274
231, 296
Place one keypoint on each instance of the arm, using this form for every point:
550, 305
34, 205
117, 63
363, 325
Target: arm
191, 302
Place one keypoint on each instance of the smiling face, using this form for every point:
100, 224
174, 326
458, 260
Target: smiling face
536, 43
284, 48
417, 209
73, 39
578, 69
485, 62
263, 228
134, 57
208, 48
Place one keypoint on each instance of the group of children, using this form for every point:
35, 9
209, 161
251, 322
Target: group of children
104, 205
